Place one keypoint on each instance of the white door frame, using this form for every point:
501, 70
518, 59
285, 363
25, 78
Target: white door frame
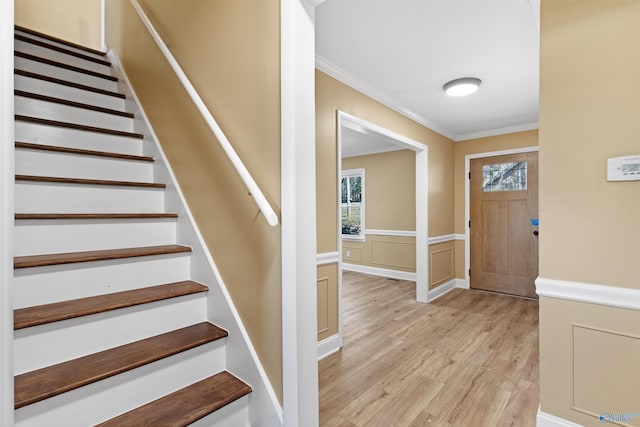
467, 200
6, 211
298, 213
422, 204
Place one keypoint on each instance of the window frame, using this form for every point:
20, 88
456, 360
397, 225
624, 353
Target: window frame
347, 174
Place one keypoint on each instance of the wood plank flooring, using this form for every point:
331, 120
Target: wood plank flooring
470, 358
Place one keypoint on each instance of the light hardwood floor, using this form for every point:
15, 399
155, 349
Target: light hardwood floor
470, 358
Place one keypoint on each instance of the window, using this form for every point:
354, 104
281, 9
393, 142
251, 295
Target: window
352, 204
510, 176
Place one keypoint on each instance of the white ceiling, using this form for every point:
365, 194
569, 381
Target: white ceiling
359, 141
401, 52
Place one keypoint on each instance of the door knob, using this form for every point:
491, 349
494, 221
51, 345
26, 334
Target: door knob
535, 232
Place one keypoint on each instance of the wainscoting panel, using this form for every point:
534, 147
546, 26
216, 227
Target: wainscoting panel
595, 390
327, 286
441, 263
390, 254
323, 303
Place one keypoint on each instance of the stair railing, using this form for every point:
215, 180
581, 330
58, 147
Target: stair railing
248, 180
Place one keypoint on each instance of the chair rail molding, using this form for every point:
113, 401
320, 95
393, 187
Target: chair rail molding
611, 296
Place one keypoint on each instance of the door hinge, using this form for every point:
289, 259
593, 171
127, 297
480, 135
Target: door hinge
469, 272
469, 223
469, 175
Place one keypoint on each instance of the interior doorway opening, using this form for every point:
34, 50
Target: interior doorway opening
349, 125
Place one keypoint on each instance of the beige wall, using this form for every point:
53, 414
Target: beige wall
230, 51
390, 200
77, 21
589, 227
390, 188
332, 95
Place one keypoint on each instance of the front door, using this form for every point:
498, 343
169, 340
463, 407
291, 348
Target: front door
504, 232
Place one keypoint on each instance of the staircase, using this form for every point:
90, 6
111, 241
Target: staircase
110, 328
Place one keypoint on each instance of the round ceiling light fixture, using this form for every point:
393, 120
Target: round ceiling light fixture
462, 87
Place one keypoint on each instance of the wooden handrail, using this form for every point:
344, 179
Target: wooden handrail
248, 180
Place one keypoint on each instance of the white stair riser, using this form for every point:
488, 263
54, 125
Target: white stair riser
63, 137
43, 285
70, 339
64, 74
51, 163
32, 237
43, 52
103, 400
74, 198
64, 113
82, 51
235, 414
56, 90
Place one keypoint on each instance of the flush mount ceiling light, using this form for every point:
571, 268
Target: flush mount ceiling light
462, 87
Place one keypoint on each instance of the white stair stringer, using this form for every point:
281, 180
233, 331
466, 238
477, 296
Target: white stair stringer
264, 408
42, 346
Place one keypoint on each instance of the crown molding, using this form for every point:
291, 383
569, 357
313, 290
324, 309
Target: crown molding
350, 80
499, 131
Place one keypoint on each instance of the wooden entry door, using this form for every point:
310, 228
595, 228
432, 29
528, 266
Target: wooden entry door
504, 243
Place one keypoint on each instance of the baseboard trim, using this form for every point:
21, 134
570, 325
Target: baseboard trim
329, 346
441, 290
462, 284
383, 272
590, 293
547, 420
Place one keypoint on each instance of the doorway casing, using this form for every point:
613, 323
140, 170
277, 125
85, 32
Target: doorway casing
422, 202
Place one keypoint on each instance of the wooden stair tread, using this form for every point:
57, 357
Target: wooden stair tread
66, 102
57, 40
53, 380
62, 180
186, 405
31, 146
76, 126
65, 66
60, 49
54, 312
133, 215
28, 261
33, 75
